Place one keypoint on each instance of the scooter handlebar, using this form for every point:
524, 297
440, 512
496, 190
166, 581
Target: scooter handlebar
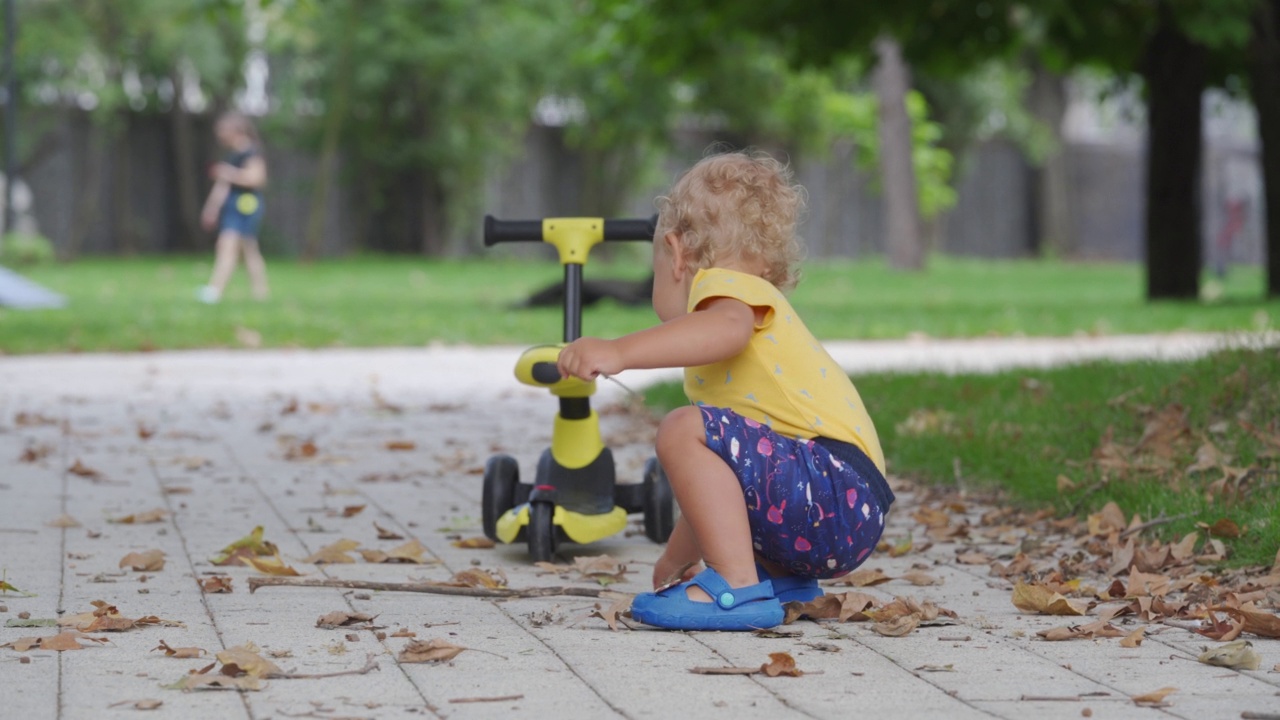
500, 231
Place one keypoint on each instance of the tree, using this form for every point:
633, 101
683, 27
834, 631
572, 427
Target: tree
902, 210
942, 38
1264, 79
1179, 48
118, 59
424, 98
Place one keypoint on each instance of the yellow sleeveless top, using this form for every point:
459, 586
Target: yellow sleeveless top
784, 378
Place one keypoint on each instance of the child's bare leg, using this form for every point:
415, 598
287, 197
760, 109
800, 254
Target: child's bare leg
710, 499
682, 549
257, 268
224, 262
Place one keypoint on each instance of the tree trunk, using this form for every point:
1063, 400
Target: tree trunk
903, 238
1264, 78
1174, 70
1054, 229
186, 174
122, 225
330, 142
434, 220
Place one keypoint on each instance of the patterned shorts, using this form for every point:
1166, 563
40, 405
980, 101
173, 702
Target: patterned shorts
809, 511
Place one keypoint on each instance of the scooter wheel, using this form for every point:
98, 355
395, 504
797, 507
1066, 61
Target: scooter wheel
541, 531
501, 476
659, 503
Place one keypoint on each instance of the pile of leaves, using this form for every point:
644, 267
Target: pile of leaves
1104, 569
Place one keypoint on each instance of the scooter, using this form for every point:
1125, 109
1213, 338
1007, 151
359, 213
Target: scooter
574, 496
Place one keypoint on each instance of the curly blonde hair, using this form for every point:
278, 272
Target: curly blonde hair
737, 204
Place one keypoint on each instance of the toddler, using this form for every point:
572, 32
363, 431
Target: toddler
776, 466
234, 206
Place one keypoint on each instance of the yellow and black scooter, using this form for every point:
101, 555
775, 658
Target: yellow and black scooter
574, 496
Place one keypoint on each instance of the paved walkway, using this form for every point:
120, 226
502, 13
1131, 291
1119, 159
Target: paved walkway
222, 427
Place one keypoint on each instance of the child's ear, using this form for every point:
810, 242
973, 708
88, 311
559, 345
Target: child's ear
675, 250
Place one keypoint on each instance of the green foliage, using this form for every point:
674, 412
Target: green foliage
445, 87
25, 250
111, 55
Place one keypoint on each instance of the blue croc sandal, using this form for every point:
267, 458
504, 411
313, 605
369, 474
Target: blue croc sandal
791, 588
746, 608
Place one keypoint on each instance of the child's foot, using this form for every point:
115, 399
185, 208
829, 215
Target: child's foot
791, 588
208, 295
745, 608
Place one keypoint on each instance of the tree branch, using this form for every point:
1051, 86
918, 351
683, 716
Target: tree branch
430, 588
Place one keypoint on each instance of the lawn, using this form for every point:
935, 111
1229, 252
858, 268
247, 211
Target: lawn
1072, 438
149, 303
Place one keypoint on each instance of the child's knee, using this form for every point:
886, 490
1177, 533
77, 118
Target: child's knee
679, 429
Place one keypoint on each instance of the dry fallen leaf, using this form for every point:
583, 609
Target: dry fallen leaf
918, 578
1134, 639
145, 561
107, 618
410, 552
839, 606
401, 445
1238, 655
63, 521
215, 584
1096, 629
1039, 599
1258, 622
478, 578
1223, 528
84, 471
273, 565
247, 660
781, 663
151, 516
1154, 698
1107, 520
897, 627
216, 681
333, 553
182, 653
301, 451
478, 542
251, 544
863, 577
429, 651
65, 640
340, 618
611, 613
385, 534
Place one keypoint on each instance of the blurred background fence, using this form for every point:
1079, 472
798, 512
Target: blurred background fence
115, 188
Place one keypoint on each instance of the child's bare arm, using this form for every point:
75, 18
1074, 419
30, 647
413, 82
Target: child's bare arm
716, 332
253, 175
217, 196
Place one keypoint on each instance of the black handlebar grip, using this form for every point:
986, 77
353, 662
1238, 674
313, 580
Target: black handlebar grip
545, 373
496, 231
638, 229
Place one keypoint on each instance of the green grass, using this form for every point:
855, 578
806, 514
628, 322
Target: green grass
1018, 431
148, 303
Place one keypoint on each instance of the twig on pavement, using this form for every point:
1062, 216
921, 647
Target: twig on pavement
431, 588
369, 665
499, 698
1162, 520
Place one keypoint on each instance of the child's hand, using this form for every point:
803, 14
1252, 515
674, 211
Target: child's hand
587, 358
208, 219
